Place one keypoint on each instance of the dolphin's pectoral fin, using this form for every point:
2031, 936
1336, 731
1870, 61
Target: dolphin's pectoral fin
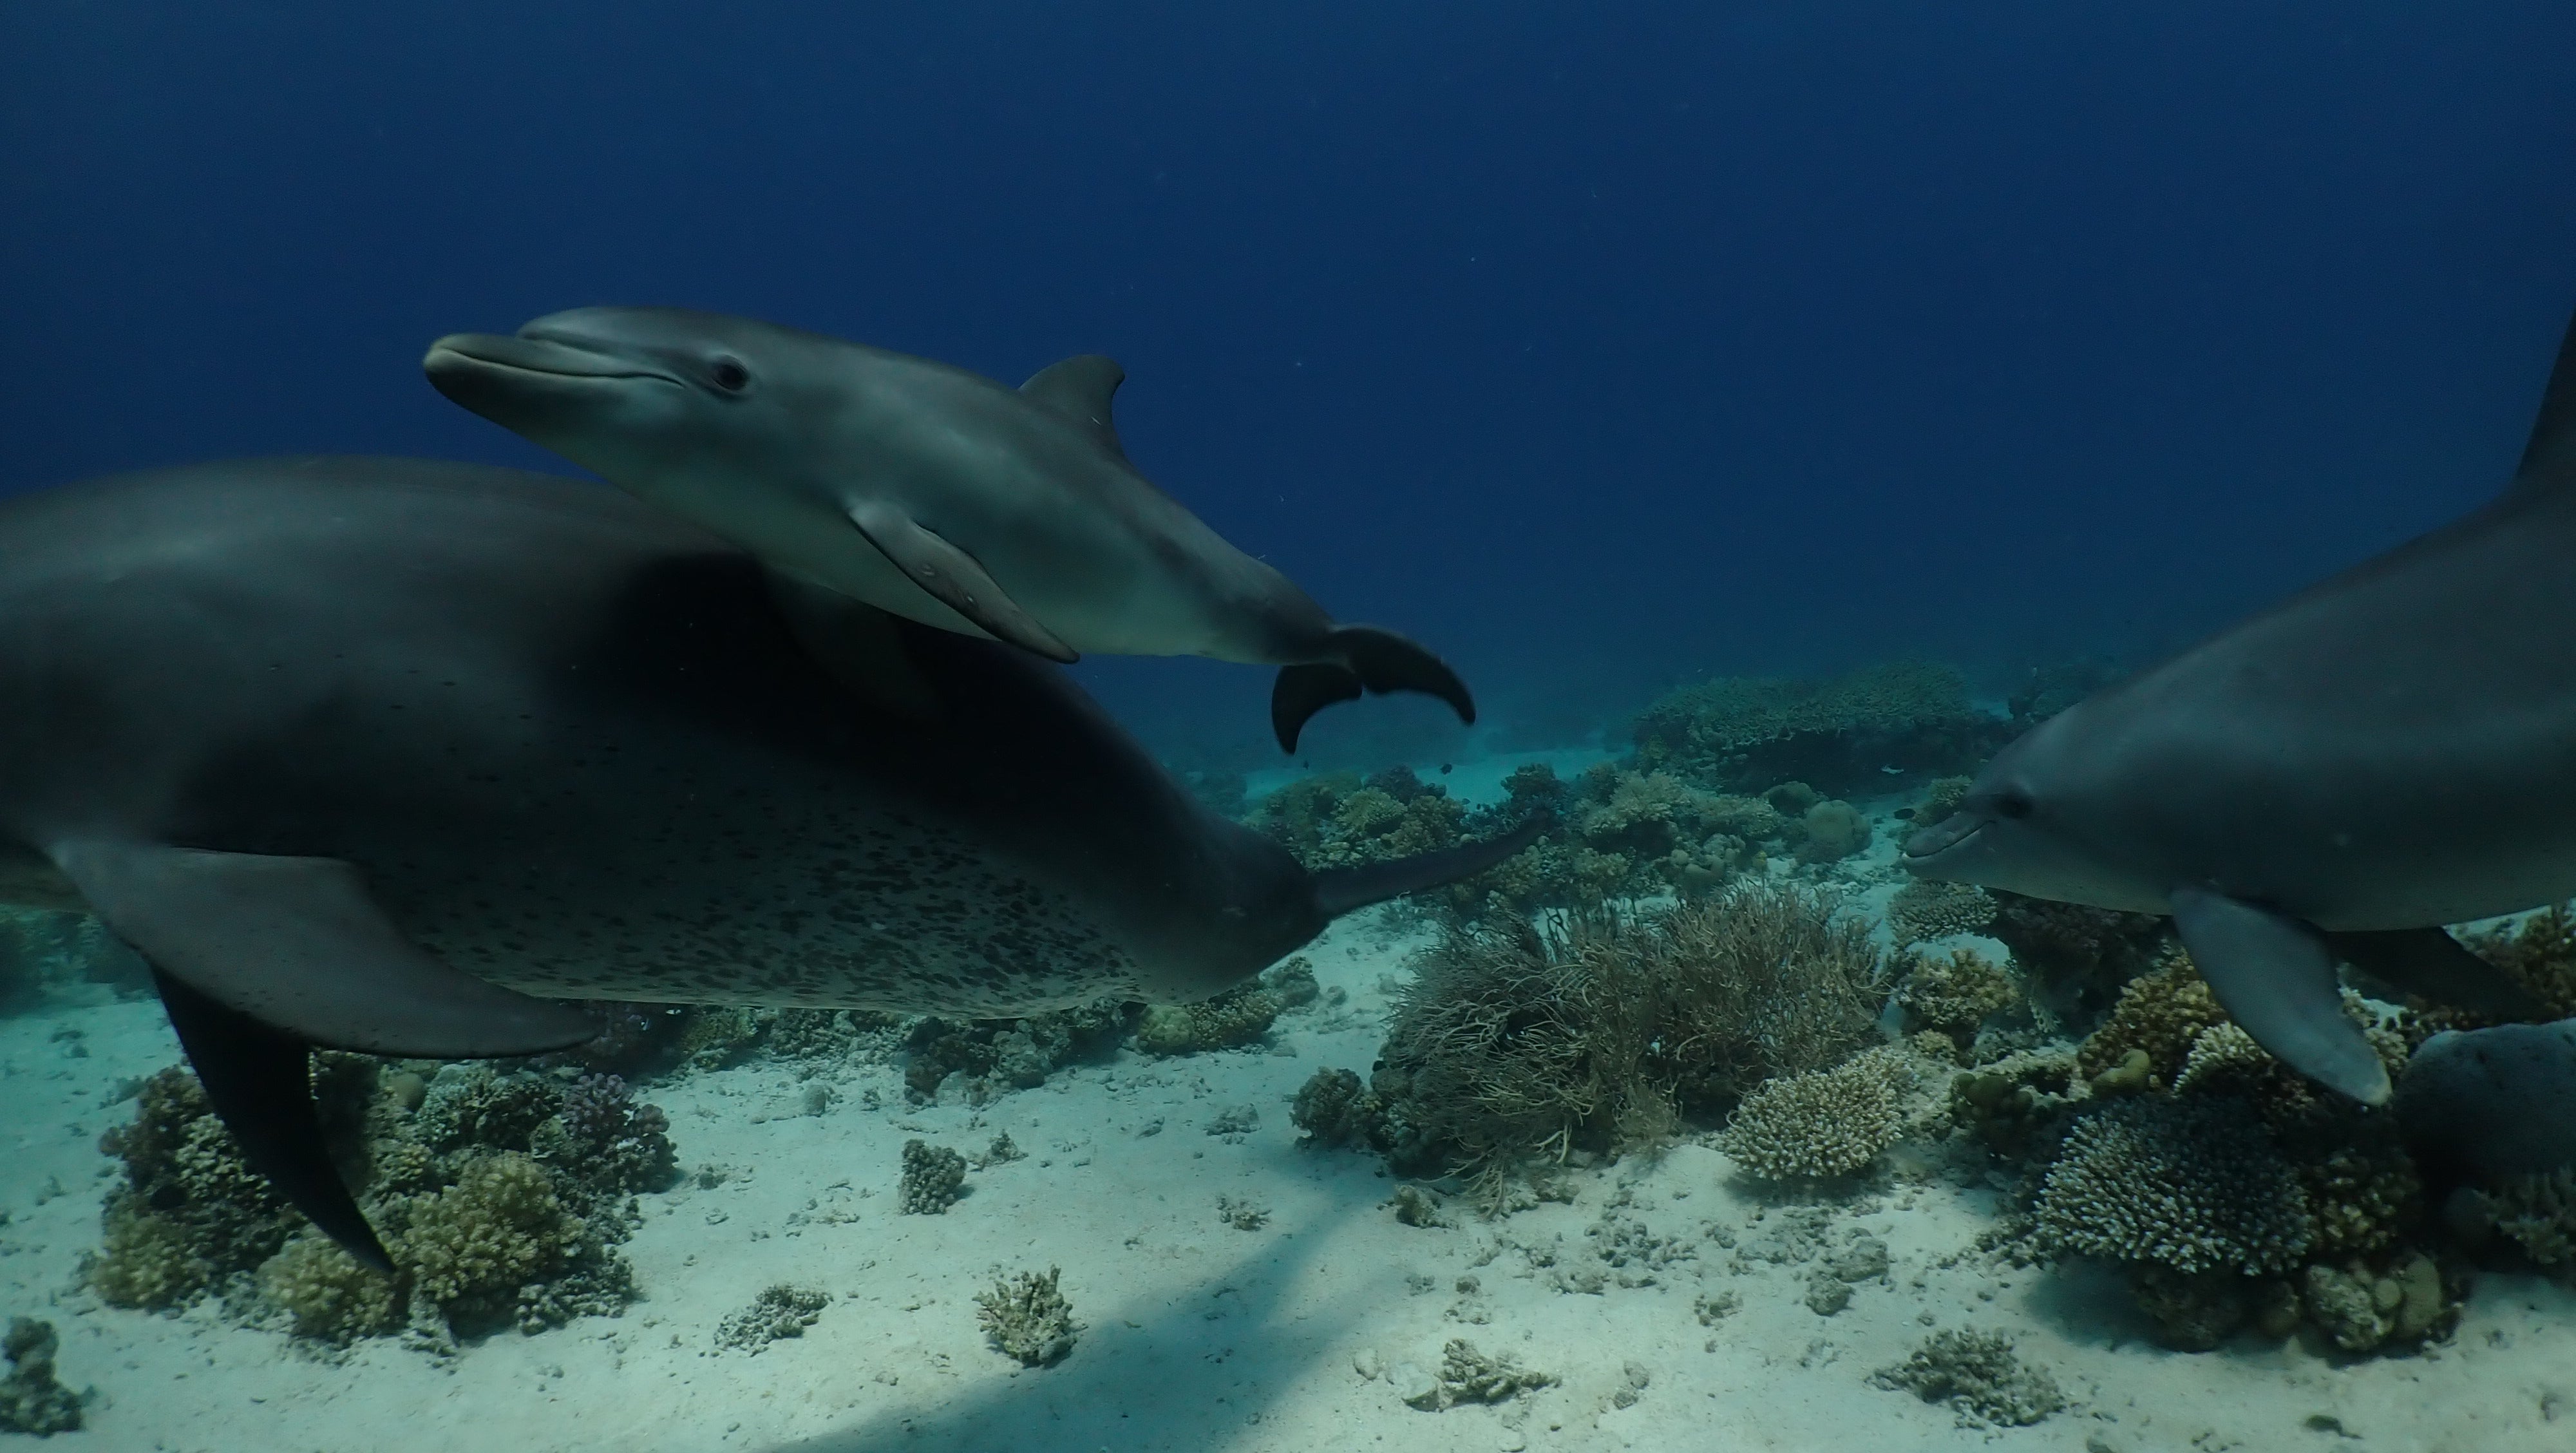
1080, 388
858, 645
297, 945
260, 1082
2428, 962
1340, 890
2275, 976
1372, 660
955, 580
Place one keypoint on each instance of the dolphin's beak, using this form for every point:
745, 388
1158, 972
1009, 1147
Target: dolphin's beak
464, 353
1941, 838
530, 385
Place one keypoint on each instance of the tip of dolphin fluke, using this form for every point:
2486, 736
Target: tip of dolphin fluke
1342, 890
1371, 661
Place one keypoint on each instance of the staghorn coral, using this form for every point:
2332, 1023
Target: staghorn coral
327, 1294
1927, 909
1820, 1124
2193, 1184
1740, 733
1956, 994
933, 1177
32, 1399
783, 1310
1979, 1375
1237, 1017
1027, 1317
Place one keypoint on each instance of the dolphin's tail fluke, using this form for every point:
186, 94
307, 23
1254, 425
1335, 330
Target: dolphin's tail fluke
1340, 890
1361, 659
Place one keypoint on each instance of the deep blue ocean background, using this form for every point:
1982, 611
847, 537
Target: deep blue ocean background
1597, 346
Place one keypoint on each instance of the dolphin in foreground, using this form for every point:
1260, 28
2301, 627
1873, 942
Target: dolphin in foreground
369, 754
2332, 780
922, 489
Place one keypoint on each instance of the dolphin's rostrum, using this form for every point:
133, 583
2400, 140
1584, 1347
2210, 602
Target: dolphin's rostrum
925, 490
2335, 779
371, 754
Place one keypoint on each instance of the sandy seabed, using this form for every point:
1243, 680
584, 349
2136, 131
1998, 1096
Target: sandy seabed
1305, 1333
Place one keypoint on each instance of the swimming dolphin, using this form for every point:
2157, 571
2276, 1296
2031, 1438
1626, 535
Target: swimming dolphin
925, 490
368, 753
2384, 753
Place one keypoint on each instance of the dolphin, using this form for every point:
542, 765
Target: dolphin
389, 755
2386, 752
925, 490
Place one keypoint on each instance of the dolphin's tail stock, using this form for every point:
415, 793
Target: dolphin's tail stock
1341, 890
1361, 659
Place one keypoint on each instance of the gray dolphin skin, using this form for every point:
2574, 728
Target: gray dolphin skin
925, 490
369, 754
2335, 779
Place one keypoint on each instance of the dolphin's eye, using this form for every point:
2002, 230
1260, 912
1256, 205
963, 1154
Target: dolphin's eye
2013, 805
728, 374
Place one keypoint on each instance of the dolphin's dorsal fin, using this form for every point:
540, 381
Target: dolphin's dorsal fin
1080, 388
2550, 457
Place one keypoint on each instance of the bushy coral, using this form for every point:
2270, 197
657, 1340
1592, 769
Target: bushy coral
1831, 831
470, 1247
1237, 1017
933, 1178
607, 1144
2193, 1184
1514, 1044
483, 1106
1927, 909
190, 1210
1739, 733
32, 1399
1822, 1123
327, 1294
1979, 1375
1027, 1317
2159, 1015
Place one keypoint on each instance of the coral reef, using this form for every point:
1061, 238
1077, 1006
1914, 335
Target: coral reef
1019, 1053
1027, 1317
2081, 956
2537, 1211
1954, 995
2365, 1311
52, 955
1515, 1045
2159, 1015
607, 1144
329, 1295
190, 1210
1469, 1376
1740, 734
32, 1399
471, 1247
1334, 1109
1979, 1375
933, 1177
1926, 909
782, 1310
2539, 951
1830, 832
2012, 1104
1822, 1123
1237, 1017
2193, 1184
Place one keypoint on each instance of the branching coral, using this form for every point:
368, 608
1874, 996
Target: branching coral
190, 1211
1823, 1123
1979, 1375
1927, 909
32, 1399
2193, 1184
471, 1247
933, 1177
1027, 1317
779, 1311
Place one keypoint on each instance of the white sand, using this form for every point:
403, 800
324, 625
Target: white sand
1200, 1336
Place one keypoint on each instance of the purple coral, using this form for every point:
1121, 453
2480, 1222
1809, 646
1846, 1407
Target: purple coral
598, 1111
626, 1145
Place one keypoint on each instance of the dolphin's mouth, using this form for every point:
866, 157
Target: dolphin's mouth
470, 353
1952, 832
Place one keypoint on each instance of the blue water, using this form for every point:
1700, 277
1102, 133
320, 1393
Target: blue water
1596, 345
